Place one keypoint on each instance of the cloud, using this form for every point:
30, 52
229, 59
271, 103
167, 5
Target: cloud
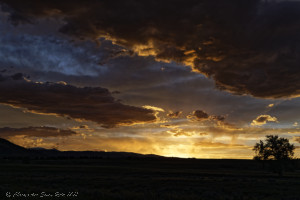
154, 108
185, 132
297, 139
89, 103
218, 118
209, 144
55, 54
200, 115
220, 129
247, 47
42, 131
179, 132
172, 114
263, 119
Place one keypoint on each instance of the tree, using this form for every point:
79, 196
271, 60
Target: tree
275, 148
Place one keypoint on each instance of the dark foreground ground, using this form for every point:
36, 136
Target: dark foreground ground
132, 179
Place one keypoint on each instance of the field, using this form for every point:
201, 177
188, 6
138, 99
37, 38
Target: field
132, 179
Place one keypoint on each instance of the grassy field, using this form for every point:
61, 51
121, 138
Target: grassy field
145, 179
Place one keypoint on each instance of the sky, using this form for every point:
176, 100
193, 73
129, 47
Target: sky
201, 79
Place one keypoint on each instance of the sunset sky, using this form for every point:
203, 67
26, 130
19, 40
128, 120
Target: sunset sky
197, 78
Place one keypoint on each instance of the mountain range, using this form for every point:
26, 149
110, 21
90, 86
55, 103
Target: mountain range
11, 150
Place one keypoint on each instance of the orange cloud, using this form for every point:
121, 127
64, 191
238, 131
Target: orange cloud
263, 119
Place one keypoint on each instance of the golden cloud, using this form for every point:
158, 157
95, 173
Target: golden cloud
263, 119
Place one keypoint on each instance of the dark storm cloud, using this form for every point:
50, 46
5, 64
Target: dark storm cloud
35, 132
246, 46
88, 103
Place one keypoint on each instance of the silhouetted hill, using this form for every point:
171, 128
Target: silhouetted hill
10, 150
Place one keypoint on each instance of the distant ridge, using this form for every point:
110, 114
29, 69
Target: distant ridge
11, 150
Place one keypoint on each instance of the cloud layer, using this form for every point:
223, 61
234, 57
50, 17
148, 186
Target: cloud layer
88, 103
247, 47
42, 131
